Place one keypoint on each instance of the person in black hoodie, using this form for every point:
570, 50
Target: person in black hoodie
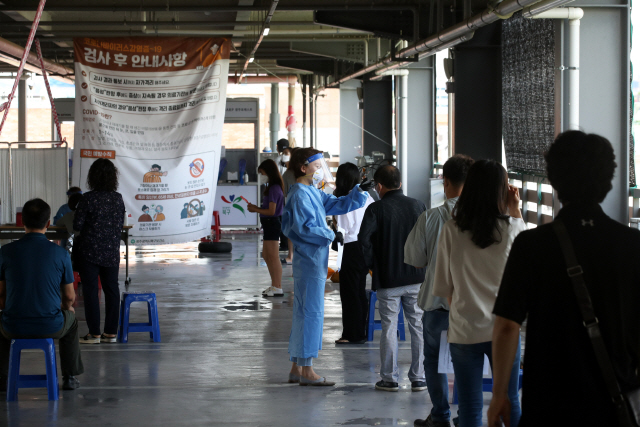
384, 230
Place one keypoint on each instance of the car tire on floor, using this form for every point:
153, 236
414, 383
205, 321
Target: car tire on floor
215, 247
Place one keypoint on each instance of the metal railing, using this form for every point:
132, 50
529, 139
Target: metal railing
538, 200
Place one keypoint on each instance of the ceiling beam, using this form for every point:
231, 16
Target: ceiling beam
200, 8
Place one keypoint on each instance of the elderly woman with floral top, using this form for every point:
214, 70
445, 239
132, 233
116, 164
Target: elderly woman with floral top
99, 217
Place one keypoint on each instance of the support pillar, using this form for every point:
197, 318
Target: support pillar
605, 90
421, 129
22, 110
274, 117
377, 117
350, 122
305, 97
291, 118
402, 144
311, 122
478, 95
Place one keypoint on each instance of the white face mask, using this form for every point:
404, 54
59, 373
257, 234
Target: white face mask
262, 179
286, 158
317, 177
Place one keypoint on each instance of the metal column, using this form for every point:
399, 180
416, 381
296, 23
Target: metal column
274, 117
420, 129
22, 110
403, 143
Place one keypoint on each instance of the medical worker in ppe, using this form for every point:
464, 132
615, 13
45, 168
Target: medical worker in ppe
304, 222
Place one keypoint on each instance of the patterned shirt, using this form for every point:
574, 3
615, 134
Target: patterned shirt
99, 217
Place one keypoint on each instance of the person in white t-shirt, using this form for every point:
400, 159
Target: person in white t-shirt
353, 272
472, 252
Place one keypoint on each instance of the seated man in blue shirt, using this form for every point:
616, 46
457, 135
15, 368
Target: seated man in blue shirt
65, 208
36, 294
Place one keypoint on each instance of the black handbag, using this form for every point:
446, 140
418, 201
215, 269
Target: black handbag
627, 403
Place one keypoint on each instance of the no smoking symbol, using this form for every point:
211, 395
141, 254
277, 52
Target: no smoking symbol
196, 168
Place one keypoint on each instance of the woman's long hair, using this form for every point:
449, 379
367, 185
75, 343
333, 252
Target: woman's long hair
347, 177
483, 202
270, 168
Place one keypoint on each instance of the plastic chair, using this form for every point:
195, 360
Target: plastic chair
376, 325
16, 381
487, 386
153, 326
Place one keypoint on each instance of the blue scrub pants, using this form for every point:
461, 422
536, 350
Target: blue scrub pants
308, 317
468, 360
302, 361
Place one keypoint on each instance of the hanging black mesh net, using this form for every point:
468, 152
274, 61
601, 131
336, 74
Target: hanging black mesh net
528, 90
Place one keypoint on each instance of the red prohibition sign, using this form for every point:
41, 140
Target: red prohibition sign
196, 168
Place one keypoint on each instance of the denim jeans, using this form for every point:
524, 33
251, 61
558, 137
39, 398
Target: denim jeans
468, 360
433, 323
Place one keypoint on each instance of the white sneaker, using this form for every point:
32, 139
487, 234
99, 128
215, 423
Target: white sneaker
273, 292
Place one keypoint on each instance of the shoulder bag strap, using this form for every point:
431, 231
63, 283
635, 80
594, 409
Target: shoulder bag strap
590, 321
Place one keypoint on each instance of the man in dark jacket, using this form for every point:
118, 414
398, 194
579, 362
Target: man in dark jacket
536, 286
384, 230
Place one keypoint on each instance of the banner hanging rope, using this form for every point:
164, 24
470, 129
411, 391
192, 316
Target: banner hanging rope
7, 105
54, 113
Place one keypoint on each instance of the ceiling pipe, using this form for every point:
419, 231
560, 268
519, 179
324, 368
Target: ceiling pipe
265, 26
455, 34
167, 8
17, 51
69, 37
538, 8
569, 13
126, 23
573, 14
289, 79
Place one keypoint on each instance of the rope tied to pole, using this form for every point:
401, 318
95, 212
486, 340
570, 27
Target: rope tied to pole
54, 113
7, 105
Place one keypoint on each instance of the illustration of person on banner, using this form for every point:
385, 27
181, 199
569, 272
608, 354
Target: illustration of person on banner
154, 174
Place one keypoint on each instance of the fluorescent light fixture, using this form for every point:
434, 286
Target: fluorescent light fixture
265, 32
251, 59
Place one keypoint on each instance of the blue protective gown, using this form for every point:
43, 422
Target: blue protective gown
304, 222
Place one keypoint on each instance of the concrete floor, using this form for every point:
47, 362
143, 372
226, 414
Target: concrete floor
223, 357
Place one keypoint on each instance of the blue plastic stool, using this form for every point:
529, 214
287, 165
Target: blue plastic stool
487, 386
153, 326
16, 381
376, 325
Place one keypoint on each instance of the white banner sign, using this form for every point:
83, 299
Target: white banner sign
155, 107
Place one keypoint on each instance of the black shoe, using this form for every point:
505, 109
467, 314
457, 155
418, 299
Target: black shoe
386, 386
70, 383
430, 423
418, 385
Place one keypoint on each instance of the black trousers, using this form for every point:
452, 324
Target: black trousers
284, 240
353, 295
89, 273
69, 346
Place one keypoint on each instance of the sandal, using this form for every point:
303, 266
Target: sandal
293, 378
320, 382
104, 338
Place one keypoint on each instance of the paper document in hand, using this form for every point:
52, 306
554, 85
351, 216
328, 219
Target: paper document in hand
445, 365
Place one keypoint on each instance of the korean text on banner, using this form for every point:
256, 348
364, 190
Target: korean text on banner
155, 107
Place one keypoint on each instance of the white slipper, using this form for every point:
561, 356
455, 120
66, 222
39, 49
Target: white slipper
273, 292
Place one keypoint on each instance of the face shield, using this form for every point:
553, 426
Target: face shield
323, 178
